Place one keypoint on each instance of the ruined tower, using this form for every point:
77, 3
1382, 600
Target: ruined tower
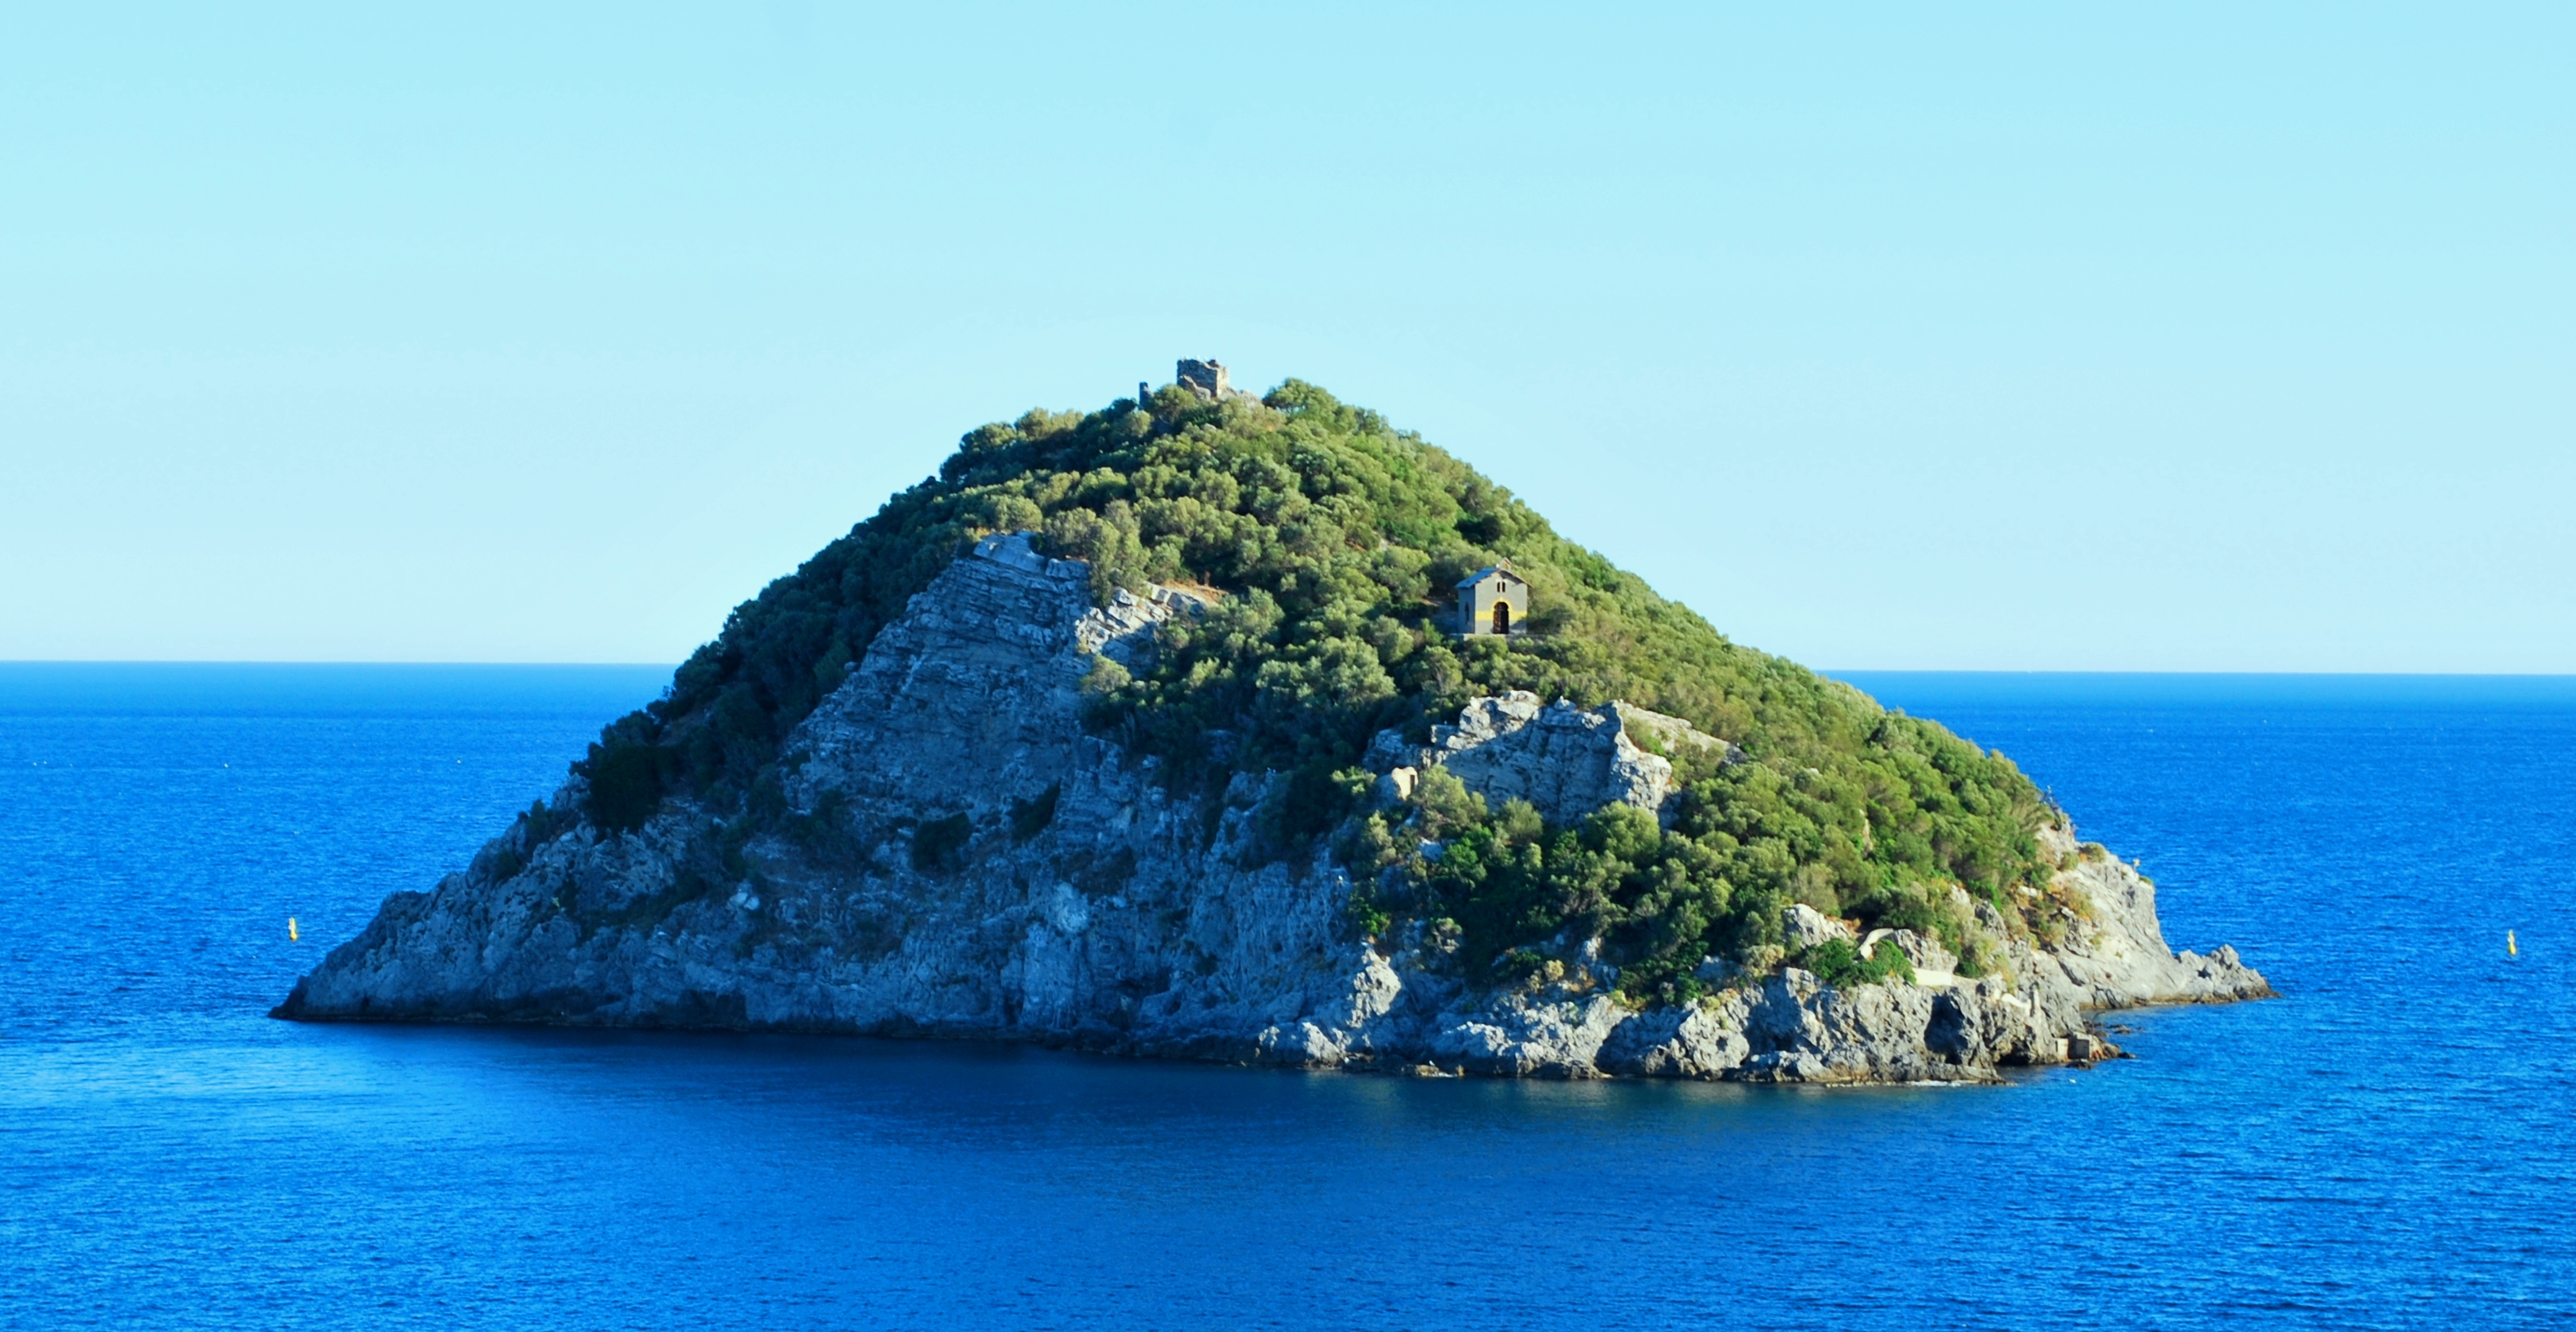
1205, 378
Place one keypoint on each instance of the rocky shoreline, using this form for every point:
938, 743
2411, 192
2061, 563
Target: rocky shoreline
966, 861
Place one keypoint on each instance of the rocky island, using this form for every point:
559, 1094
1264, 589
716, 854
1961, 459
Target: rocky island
1253, 729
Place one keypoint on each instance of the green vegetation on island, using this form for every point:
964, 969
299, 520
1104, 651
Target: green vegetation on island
1335, 540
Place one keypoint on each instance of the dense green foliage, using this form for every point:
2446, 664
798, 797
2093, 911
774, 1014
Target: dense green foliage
1335, 541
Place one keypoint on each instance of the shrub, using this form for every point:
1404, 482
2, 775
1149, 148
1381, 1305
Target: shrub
1444, 805
1310, 803
1030, 817
1838, 963
936, 844
625, 785
1981, 955
1335, 539
1366, 914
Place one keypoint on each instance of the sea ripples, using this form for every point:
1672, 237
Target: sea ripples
2386, 1146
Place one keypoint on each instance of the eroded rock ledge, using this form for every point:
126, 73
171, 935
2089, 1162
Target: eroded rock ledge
1073, 901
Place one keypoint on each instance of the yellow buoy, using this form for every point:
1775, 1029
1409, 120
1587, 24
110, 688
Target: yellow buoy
2509, 949
291, 935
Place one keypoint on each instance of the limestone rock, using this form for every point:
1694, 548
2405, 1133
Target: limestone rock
1802, 926
1704, 1040
1564, 760
2119, 956
1516, 1036
1074, 900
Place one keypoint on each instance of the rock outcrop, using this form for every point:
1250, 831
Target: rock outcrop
1564, 760
965, 860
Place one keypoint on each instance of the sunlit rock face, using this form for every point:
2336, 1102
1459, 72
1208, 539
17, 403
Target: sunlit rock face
966, 860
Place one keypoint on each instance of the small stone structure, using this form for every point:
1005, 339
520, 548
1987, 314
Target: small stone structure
1208, 380
1205, 378
1493, 600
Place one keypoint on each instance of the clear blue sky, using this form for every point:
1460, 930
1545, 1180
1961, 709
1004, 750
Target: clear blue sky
2215, 337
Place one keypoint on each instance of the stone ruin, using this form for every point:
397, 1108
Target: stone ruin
1208, 380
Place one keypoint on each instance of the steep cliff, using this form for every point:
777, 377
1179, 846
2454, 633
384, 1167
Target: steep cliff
963, 841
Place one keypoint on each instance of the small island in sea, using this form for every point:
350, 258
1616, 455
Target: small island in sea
1254, 729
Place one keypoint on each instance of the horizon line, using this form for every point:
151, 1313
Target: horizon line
1820, 670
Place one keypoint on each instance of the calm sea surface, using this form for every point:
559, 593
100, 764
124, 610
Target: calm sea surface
2391, 1145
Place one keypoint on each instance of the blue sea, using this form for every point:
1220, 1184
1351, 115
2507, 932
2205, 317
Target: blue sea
2390, 1144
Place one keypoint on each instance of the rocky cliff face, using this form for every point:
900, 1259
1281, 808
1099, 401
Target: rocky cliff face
1566, 761
966, 861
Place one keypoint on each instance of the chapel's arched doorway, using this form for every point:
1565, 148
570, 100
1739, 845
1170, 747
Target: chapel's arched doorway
1502, 617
